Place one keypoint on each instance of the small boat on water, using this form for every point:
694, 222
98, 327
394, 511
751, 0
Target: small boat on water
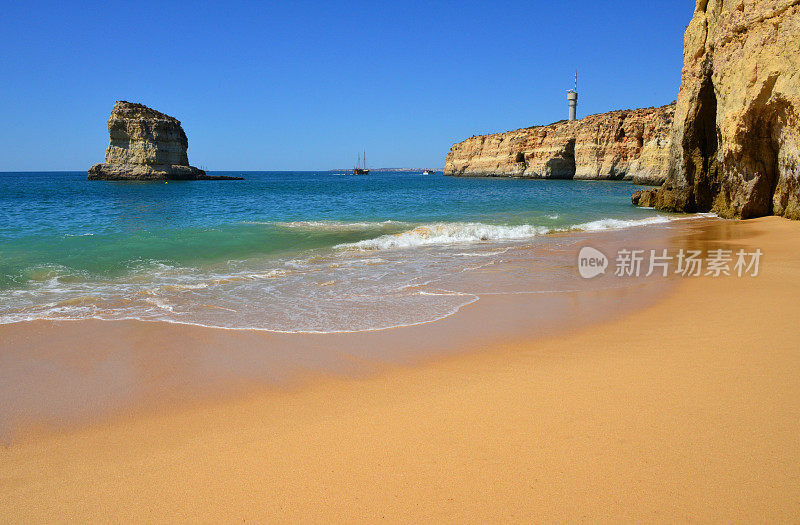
361, 167
429, 172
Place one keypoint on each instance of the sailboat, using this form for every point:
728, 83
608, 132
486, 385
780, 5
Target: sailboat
361, 168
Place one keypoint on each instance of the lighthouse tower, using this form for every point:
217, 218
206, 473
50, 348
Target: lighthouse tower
572, 99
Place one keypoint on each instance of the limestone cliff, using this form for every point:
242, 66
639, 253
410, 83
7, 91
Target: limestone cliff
736, 137
145, 145
622, 145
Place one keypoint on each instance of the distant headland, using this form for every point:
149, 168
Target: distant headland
620, 145
391, 170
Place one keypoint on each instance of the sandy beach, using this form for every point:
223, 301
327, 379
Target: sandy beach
280, 262
683, 409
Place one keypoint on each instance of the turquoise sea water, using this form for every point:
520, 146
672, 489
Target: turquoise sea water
293, 251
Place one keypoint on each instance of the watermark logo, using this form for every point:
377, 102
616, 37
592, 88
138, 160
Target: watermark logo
687, 263
591, 262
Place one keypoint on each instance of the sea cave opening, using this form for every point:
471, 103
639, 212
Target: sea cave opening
700, 145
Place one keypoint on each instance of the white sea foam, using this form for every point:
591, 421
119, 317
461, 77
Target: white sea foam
339, 225
618, 224
271, 274
481, 253
182, 287
447, 233
160, 303
472, 232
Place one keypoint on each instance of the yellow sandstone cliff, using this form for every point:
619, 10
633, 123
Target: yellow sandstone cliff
145, 144
620, 145
736, 137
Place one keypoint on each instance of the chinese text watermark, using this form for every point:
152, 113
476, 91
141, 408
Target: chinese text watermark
687, 263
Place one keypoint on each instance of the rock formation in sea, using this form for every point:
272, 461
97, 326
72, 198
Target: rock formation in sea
146, 145
621, 145
736, 137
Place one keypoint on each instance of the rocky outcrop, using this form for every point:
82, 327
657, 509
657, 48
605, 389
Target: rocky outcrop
736, 137
621, 145
146, 145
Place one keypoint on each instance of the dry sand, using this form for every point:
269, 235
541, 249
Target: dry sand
685, 410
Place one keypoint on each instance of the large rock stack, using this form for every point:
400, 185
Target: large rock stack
145, 145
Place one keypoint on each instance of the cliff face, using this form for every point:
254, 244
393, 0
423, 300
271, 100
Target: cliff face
145, 145
623, 145
736, 138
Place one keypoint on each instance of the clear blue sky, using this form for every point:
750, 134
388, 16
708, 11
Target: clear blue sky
306, 85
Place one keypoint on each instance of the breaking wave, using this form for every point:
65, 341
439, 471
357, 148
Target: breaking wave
618, 224
446, 233
472, 232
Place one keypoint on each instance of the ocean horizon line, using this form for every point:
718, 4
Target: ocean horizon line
325, 170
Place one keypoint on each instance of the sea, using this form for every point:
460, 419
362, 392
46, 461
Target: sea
306, 252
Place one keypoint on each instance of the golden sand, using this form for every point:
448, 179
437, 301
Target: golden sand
685, 410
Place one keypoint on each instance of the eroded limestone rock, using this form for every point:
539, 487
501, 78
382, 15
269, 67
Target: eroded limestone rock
620, 145
146, 144
736, 137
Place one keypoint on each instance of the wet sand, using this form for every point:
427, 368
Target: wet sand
678, 404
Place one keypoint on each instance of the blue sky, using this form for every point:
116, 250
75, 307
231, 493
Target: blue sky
306, 85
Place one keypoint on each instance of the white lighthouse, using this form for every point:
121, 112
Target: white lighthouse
572, 99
